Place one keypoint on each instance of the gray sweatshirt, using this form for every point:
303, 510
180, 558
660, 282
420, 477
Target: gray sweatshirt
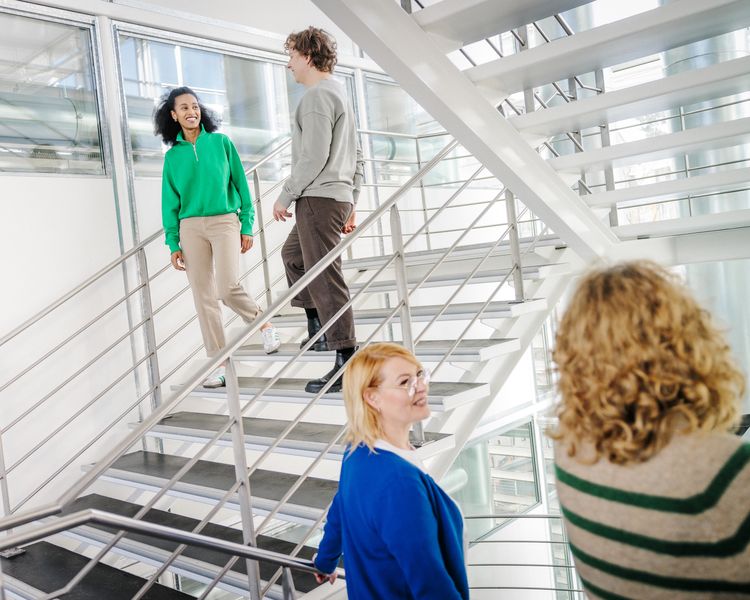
326, 157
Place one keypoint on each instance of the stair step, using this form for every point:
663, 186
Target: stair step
445, 278
677, 188
442, 396
501, 309
305, 439
460, 253
208, 481
718, 135
46, 567
426, 351
461, 22
669, 26
690, 87
200, 563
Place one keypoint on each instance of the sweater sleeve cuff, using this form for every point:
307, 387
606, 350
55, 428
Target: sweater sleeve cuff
174, 246
286, 199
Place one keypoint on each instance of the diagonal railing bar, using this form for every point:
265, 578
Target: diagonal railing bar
454, 245
71, 337
480, 312
72, 418
471, 274
72, 377
88, 445
447, 204
79, 288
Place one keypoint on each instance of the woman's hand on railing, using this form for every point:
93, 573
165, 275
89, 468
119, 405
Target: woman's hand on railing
323, 578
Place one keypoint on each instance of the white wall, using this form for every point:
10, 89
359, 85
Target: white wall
54, 233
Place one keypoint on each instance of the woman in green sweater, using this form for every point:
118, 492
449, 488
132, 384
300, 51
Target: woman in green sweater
208, 216
654, 491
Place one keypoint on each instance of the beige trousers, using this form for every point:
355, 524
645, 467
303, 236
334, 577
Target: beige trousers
211, 251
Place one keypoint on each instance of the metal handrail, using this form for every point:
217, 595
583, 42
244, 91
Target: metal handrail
122, 523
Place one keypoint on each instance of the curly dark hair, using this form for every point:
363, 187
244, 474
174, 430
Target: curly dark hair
166, 127
315, 43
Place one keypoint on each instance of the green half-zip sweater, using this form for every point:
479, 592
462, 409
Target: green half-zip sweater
202, 180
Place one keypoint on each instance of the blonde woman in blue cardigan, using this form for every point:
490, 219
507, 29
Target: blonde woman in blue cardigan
400, 534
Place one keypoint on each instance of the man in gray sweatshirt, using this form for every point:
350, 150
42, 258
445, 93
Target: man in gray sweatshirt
327, 170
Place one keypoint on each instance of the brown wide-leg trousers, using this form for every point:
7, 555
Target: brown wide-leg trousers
316, 232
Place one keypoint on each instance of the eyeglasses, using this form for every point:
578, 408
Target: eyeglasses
410, 386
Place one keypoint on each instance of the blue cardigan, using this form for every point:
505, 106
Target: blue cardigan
400, 533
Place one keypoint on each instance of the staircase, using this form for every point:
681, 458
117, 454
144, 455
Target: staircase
257, 463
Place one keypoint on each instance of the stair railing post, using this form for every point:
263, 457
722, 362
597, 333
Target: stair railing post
241, 473
515, 246
4, 490
262, 236
287, 585
148, 312
402, 293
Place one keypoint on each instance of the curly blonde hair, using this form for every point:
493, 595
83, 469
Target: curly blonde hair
639, 360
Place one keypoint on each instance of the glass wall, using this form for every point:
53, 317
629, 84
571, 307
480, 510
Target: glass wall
496, 475
48, 107
254, 98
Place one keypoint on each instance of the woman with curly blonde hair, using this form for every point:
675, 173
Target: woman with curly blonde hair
654, 490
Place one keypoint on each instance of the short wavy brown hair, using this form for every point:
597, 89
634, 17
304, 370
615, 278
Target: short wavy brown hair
640, 360
316, 44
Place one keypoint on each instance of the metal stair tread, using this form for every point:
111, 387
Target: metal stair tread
47, 567
443, 279
427, 350
668, 145
442, 396
420, 313
459, 253
689, 87
262, 431
455, 21
638, 36
181, 522
211, 480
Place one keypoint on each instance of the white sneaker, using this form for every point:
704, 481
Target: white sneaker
216, 379
271, 339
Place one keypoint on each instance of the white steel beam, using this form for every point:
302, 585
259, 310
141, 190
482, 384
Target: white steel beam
406, 53
459, 22
648, 33
723, 79
720, 135
677, 188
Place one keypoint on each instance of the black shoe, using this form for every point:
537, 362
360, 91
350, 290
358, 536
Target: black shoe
314, 386
313, 327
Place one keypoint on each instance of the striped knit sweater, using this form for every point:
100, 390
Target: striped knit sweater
676, 526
